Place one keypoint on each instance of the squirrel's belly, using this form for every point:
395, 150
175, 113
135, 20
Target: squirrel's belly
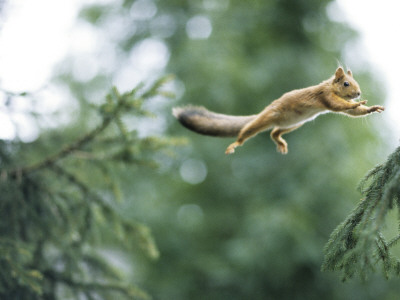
295, 117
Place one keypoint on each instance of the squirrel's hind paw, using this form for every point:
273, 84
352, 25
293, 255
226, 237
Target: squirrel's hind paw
231, 148
282, 149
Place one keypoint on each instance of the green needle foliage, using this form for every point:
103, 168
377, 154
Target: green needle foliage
59, 211
358, 245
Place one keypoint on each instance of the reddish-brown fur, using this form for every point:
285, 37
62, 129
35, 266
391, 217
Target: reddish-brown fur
285, 114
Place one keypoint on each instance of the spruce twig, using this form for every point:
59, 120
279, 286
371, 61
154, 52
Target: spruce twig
357, 245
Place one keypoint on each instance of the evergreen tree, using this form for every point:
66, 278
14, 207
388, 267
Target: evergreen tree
358, 244
59, 211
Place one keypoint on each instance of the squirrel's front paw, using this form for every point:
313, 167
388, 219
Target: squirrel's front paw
363, 102
357, 104
376, 108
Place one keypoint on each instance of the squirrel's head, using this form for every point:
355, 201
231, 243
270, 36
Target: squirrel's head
344, 85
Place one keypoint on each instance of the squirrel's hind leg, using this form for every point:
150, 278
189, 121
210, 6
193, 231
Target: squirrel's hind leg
276, 136
259, 124
281, 144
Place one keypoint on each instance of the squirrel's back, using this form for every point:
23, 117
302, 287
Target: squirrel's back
206, 122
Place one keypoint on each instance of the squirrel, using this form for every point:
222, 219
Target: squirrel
287, 113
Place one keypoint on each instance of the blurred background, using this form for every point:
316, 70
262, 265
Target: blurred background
247, 226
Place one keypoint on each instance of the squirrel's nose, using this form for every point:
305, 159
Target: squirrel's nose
358, 93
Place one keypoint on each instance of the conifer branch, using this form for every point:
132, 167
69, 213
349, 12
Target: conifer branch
357, 245
110, 112
67, 150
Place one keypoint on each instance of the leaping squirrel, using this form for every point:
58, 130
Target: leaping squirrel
283, 115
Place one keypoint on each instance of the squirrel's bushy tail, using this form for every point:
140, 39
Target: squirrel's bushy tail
206, 122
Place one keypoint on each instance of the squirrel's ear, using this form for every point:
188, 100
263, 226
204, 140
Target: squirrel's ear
349, 73
339, 73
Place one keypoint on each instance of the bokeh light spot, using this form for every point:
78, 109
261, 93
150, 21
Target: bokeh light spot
199, 27
193, 171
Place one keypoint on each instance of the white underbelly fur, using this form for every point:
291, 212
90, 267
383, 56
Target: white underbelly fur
291, 118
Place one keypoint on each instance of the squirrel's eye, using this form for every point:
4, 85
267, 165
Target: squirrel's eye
346, 83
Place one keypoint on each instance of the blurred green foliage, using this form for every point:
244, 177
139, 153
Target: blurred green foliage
252, 225
58, 210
